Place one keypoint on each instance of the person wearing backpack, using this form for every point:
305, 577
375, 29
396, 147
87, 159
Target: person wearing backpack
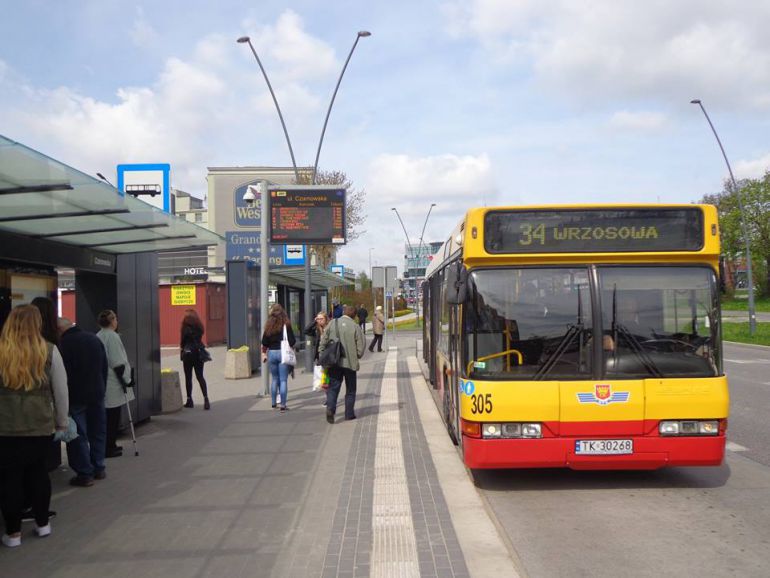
349, 334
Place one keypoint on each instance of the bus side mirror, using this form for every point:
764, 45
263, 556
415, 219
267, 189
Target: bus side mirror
458, 284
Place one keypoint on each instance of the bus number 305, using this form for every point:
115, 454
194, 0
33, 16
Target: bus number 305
481, 403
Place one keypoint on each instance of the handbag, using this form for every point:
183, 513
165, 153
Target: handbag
333, 352
318, 377
204, 354
288, 356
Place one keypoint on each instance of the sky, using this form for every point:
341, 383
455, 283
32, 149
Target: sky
461, 103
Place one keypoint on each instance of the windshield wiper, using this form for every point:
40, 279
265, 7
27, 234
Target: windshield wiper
636, 347
573, 330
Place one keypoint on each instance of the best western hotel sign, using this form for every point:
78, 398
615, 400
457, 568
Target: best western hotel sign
245, 215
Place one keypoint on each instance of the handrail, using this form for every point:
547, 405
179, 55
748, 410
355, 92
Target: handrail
495, 355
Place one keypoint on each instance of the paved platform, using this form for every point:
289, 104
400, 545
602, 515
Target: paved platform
243, 490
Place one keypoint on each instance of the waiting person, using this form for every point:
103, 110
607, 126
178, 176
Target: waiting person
353, 343
191, 352
118, 377
315, 330
49, 329
272, 336
378, 328
362, 315
336, 310
86, 363
33, 403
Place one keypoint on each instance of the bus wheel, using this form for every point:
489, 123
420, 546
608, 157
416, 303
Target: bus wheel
448, 417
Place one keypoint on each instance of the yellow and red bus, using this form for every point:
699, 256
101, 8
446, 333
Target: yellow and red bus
585, 337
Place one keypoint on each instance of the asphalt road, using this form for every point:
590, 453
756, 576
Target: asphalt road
671, 522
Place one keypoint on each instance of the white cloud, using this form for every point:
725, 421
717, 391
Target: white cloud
605, 48
455, 183
752, 169
637, 121
216, 92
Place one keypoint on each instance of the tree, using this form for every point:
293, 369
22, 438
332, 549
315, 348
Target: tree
756, 205
355, 200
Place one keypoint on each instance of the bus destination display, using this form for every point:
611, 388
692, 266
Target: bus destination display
308, 216
593, 230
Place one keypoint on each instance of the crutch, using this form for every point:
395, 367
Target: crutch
130, 421
119, 372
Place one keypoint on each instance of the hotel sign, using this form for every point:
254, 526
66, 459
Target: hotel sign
247, 216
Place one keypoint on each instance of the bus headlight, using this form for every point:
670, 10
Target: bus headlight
511, 430
531, 430
491, 430
689, 427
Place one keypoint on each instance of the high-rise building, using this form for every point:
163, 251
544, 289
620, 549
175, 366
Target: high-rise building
416, 260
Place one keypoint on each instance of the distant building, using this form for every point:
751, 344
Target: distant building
416, 260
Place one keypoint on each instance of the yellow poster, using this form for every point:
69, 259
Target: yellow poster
183, 295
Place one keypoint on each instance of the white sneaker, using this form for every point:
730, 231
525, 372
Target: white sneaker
11, 542
43, 531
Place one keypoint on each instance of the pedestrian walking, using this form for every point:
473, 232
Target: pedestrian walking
86, 363
117, 393
362, 315
378, 328
277, 324
33, 404
193, 355
353, 343
315, 330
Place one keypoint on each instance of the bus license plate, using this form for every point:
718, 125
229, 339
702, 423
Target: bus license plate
604, 447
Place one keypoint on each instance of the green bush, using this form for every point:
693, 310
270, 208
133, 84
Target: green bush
402, 312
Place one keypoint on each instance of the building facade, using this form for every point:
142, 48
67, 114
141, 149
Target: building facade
416, 260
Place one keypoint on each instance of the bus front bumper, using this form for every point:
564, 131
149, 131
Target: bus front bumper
650, 453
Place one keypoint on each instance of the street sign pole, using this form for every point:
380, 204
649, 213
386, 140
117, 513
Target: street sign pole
264, 273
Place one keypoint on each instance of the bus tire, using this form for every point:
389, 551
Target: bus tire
448, 416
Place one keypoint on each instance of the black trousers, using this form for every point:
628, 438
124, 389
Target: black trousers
113, 423
362, 323
376, 340
336, 375
23, 474
189, 366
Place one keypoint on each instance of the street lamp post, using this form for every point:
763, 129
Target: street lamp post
744, 229
417, 255
263, 207
371, 280
308, 353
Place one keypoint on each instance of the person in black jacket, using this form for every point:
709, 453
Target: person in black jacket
315, 329
86, 363
191, 352
362, 314
272, 336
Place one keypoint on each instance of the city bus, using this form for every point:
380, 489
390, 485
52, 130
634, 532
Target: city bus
585, 337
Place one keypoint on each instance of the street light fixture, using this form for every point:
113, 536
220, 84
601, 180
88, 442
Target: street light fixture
361, 34
744, 230
415, 255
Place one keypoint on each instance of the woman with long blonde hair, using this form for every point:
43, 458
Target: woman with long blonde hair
33, 405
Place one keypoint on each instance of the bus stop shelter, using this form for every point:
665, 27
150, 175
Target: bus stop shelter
54, 216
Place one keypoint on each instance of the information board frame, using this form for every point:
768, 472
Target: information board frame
323, 205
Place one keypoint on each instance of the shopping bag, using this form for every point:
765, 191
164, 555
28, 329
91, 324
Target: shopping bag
288, 356
318, 377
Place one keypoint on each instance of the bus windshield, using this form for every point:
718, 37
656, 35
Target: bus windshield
537, 323
529, 323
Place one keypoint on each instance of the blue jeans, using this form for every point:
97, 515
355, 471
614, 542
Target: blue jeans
280, 372
86, 452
